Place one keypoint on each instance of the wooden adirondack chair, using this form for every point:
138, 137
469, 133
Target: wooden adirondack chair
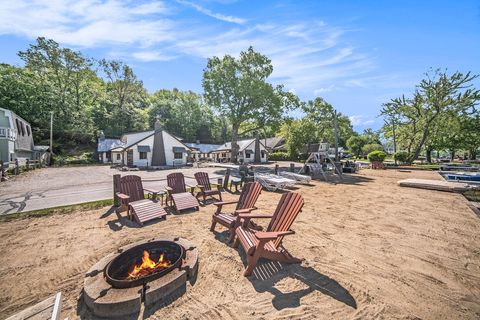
245, 204
268, 244
133, 200
204, 184
177, 193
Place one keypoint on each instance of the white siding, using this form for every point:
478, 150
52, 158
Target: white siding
136, 155
169, 142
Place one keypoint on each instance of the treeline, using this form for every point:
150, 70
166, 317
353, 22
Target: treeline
87, 96
442, 114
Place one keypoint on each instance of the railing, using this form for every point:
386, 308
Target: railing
7, 133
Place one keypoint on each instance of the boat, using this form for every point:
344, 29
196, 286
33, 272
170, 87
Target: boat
463, 176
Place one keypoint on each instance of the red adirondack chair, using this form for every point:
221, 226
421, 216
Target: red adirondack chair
268, 244
133, 200
205, 186
177, 193
245, 204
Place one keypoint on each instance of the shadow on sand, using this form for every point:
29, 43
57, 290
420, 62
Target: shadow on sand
268, 273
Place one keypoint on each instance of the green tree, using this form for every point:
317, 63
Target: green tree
125, 99
355, 144
322, 114
238, 90
436, 96
297, 134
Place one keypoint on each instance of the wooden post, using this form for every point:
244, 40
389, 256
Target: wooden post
292, 167
2, 172
16, 169
227, 177
28, 164
116, 188
276, 169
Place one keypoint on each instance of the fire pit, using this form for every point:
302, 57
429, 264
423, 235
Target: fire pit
152, 272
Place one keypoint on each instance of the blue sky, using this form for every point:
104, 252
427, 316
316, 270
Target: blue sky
355, 54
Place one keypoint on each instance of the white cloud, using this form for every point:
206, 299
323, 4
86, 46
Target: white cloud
151, 56
308, 56
361, 120
87, 23
212, 14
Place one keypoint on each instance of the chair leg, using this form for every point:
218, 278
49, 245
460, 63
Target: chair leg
232, 235
252, 262
236, 242
212, 227
220, 196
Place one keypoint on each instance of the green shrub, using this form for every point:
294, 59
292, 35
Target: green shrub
377, 156
83, 159
368, 148
401, 156
279, 156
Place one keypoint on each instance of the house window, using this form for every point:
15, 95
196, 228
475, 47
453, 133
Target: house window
28, 130
177, 155
263, 154
23, 128
143, 155
247, 155
118, 156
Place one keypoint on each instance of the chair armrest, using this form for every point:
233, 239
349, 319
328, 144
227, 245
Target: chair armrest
254, 215
271, 235
202, 187
244, 211
189, 186
151, 190
123, 196
223, 203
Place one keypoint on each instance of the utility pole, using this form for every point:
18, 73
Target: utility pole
335, 121
51, 137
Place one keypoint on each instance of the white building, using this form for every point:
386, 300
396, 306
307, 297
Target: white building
201, 151
16, 139
155, 148
250, 150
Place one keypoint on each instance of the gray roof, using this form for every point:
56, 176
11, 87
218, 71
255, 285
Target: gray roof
105, 145
242, 145
273, 142
132, 138
24, 140
203, 147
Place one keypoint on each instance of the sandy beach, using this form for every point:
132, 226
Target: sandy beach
372, 250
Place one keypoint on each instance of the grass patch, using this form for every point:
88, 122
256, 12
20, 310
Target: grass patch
57, 210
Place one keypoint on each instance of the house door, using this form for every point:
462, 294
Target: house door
130, 158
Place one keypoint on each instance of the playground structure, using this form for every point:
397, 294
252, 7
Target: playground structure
318, 160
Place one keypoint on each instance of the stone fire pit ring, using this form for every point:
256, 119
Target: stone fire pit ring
106, 301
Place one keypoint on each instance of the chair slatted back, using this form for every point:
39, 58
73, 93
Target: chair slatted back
288, 208
176, 181
250, 193
131, 185
202, 180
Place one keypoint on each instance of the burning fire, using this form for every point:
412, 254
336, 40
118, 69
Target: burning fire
148, 266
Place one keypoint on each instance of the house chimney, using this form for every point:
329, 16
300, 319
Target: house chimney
101, 136
157, 126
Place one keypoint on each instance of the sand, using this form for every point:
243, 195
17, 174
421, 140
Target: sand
372, 249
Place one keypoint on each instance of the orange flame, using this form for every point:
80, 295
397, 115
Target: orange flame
148, 266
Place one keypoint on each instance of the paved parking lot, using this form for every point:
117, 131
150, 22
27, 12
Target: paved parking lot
52, 187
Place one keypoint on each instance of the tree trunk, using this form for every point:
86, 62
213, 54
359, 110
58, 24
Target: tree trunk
428, 154
234, 149
452, 154
473, 154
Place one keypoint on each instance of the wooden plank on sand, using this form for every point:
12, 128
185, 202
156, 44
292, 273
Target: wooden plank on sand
45, 310
436, 185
